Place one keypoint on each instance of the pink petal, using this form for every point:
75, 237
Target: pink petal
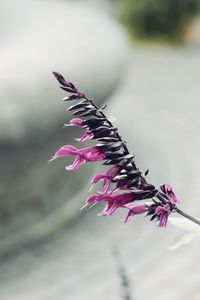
92, 154
168, 190
124, 198
158, 210
139, 209
135, 210
163, 220
106, 177
162, 209
99, 197
163, 214
106, 185
113, 171
74, 122
127, 218
98, 177
108, 210
92, 199
86, 136
105, 197
76, 164
112, 209
106, 182
114, 202
65, 151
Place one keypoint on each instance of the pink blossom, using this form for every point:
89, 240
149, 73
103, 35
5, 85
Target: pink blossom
114, 201
109, 209
90, 154
162, 213
85, 137
74, 122
135, 210
106, 178
167, 189
78, 122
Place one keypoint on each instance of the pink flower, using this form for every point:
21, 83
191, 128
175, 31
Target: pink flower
85, 137
90, 154
167, 189
109, 209
106, 178
162, 213
74, 122
78, 122
113, 201
135, 210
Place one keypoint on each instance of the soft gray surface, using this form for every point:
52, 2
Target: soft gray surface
37, 37
157, 110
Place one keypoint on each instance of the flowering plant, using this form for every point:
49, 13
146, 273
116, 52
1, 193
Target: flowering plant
123, 185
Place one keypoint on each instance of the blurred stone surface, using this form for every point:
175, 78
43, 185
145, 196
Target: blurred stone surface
157, 110
40, 36
37, 37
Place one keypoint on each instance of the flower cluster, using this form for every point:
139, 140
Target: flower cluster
123, 185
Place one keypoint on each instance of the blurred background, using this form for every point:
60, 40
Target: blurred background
141, 57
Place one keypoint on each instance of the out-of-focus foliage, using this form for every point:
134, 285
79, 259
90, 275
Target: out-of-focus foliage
165, 19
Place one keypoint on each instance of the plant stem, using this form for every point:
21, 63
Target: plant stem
179, 211
182, 213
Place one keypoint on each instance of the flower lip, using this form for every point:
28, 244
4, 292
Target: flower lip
79, 123
85, 137
168, 191
113, 201
135, 210
106, 177
74, 122
90, 154
162, 212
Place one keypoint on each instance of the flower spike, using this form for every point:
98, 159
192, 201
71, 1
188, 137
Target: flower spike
123, 184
